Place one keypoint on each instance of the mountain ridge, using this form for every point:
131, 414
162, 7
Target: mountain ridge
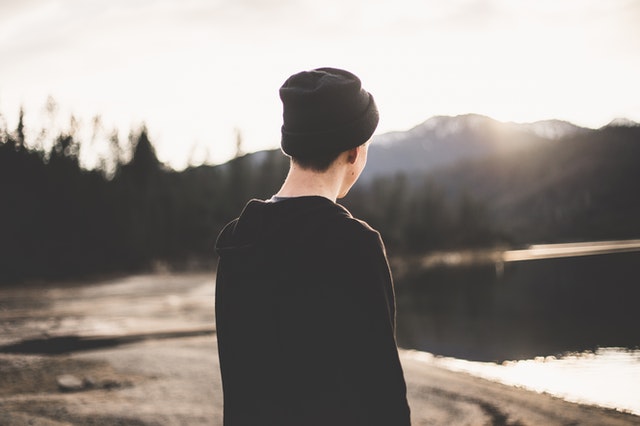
549, 181
444, 140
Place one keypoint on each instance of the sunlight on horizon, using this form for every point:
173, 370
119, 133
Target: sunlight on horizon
195, 71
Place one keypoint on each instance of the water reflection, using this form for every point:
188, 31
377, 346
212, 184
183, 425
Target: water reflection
533, 308
549, 251
541, 318
609, 377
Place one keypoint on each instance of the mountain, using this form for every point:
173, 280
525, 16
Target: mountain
443, 140
472, 180
541, 182
584, 186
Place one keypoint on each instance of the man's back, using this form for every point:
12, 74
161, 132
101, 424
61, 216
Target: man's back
305, 319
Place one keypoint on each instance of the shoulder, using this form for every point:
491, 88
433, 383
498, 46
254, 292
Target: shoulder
351, 232
224, 236
357, 227
354, 225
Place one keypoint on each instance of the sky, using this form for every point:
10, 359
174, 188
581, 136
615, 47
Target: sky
199, 72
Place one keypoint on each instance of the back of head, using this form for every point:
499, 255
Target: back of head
325, 112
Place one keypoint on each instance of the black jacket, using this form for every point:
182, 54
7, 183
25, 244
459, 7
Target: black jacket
305, 318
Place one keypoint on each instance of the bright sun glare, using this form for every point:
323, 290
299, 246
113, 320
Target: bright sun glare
195, 71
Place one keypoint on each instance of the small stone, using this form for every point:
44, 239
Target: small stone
110, 384
89, 382
69, 383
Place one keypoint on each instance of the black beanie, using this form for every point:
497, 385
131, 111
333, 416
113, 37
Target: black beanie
325, 111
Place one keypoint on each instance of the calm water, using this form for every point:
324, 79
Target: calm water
562, 314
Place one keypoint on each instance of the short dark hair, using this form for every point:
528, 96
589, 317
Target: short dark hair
317, 163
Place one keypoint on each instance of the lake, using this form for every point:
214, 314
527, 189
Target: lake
542, 309
564, 325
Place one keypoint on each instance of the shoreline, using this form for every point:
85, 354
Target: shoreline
142, 351
612, 375
479, 370
176, 381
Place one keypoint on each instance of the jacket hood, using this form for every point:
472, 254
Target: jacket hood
262, 221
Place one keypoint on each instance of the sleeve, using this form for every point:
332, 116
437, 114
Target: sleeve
364, 320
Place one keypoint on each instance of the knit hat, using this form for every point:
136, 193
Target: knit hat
325, 111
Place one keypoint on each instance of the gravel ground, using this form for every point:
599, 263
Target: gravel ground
144, 353
176, 382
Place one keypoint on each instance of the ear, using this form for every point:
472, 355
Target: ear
352, 155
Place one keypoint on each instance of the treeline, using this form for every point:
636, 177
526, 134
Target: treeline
132, 213
60, 220
415, 214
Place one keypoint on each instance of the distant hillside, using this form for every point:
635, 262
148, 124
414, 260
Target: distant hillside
586, 185
450, 183
549, 181
542, 182
442, 141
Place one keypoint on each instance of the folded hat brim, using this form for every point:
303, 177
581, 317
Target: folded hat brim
332, 141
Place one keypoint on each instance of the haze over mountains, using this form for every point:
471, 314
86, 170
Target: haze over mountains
544, 181
443, 140
548, 181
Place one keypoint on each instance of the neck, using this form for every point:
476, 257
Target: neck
301, 182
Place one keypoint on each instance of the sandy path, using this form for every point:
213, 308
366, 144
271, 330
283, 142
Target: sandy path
161, 379
176, 382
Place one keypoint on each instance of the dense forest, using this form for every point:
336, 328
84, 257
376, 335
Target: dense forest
63, 221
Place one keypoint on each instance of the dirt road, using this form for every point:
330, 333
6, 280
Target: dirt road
142, 351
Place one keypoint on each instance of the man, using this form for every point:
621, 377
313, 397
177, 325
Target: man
305, 306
